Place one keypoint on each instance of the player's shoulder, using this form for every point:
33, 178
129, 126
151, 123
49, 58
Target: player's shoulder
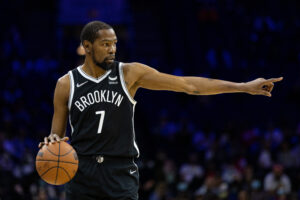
130, 66
63, 85
134, 71
62, 88
64, 80
134, 67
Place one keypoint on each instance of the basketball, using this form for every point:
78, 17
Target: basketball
57, 163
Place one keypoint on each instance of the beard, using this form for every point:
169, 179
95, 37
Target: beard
104, 65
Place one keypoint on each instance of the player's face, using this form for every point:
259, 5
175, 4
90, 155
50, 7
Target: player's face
104, 48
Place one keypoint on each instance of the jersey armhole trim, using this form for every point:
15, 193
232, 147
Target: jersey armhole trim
124, 84
71, 90
134, 140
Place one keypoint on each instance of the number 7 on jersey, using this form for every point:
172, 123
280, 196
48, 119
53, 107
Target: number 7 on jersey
102, 114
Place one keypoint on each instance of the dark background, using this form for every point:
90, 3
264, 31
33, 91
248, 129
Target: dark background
215, 141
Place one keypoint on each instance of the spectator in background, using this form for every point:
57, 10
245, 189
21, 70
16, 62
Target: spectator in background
160, 192
212, 189
230, 173
285, 156
276, 183
251, 185
265, 158
192, 169
170, 171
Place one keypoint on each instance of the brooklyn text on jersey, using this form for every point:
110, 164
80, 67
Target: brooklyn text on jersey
99, 96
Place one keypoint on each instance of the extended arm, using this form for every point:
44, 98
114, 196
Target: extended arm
59, 120
150, 78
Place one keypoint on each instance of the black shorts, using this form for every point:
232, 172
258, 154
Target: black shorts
111, 179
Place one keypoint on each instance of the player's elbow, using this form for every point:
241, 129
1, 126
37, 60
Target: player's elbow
192, 91
189, 88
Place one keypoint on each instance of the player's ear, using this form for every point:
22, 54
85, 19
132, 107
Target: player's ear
87, 46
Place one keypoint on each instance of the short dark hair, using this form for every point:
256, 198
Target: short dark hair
90, 30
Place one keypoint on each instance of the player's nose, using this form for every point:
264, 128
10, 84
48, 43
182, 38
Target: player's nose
112, 49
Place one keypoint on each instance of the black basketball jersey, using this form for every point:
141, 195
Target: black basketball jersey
101, 114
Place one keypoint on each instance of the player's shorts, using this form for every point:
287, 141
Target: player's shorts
104, 178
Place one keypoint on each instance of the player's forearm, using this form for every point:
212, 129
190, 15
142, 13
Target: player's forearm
59, 125
207, 86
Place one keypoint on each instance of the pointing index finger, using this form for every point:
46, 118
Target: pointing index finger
273, 80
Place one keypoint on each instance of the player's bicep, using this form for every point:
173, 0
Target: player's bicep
152, 79
59, 120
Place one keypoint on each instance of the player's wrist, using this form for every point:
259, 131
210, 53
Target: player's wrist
243, 87
53, 137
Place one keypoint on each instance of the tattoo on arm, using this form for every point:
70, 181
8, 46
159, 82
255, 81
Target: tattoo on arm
196, 92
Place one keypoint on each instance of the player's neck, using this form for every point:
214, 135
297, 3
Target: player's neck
92, 70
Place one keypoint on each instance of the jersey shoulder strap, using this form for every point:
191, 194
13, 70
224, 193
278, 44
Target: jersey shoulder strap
123, 82
73, 76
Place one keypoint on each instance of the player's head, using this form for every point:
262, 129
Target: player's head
99, 41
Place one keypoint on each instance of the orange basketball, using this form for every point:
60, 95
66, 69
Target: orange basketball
57, 163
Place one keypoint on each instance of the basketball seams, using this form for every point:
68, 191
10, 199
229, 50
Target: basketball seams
57, 169
57, 162
51, 151
66, 172
59, 152
74, 163
66, 153
48, 170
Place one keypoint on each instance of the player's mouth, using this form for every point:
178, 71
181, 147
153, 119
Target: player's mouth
110, 59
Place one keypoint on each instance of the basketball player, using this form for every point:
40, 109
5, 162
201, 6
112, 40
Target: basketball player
98, 96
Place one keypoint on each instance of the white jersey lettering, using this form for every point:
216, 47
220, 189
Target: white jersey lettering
84, 101
79, 105
91, 98
113, 95
119, 100
102, 96
107, 97
99, 96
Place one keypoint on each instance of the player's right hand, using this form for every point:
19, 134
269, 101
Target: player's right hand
52, 138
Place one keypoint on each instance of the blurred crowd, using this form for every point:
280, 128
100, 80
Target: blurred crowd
253, 164
232, 147
186, 164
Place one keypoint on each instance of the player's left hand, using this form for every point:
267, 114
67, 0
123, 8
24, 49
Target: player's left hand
52, 138
261, 86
